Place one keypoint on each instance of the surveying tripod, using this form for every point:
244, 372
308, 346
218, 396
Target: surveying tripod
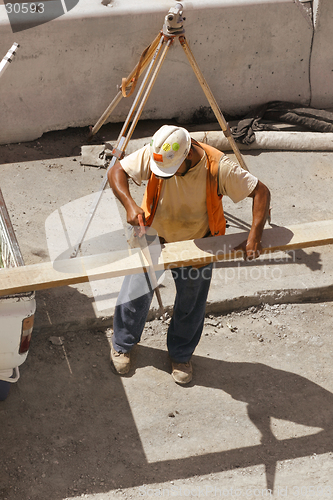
173, 28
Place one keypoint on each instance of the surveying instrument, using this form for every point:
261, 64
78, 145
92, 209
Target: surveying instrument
152, 58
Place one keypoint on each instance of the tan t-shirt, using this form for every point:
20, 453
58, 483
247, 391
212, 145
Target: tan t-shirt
182, 212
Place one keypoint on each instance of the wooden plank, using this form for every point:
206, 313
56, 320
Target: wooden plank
193, 252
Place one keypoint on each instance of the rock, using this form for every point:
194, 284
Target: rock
56, 340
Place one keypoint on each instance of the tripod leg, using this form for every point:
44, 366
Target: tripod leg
211, 99
106, 114
150, 52
92, 212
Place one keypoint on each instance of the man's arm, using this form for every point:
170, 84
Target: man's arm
118, 180
260, 210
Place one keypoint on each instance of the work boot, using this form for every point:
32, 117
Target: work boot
181, 372
121, 361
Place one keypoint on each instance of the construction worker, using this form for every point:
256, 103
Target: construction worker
182, 201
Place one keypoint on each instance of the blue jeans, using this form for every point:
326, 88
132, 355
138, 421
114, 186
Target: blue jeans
185, 329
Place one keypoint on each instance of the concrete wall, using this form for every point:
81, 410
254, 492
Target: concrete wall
322, 55
66, 71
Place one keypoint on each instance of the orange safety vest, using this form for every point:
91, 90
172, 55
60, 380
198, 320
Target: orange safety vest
216, 219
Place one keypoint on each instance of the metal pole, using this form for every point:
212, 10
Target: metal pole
8, 58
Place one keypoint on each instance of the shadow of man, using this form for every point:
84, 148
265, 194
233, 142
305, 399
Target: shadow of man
268, 393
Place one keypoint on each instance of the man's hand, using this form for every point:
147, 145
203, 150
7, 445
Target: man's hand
251, 249
132, 214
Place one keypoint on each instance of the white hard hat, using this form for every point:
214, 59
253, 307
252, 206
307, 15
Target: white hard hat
169, 147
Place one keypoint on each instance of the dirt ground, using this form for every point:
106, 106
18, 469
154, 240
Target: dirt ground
256, 417
256, 421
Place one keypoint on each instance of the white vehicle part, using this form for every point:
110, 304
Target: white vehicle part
11, 376
14, 310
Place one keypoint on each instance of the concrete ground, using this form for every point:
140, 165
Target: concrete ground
258, 413
43, 179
